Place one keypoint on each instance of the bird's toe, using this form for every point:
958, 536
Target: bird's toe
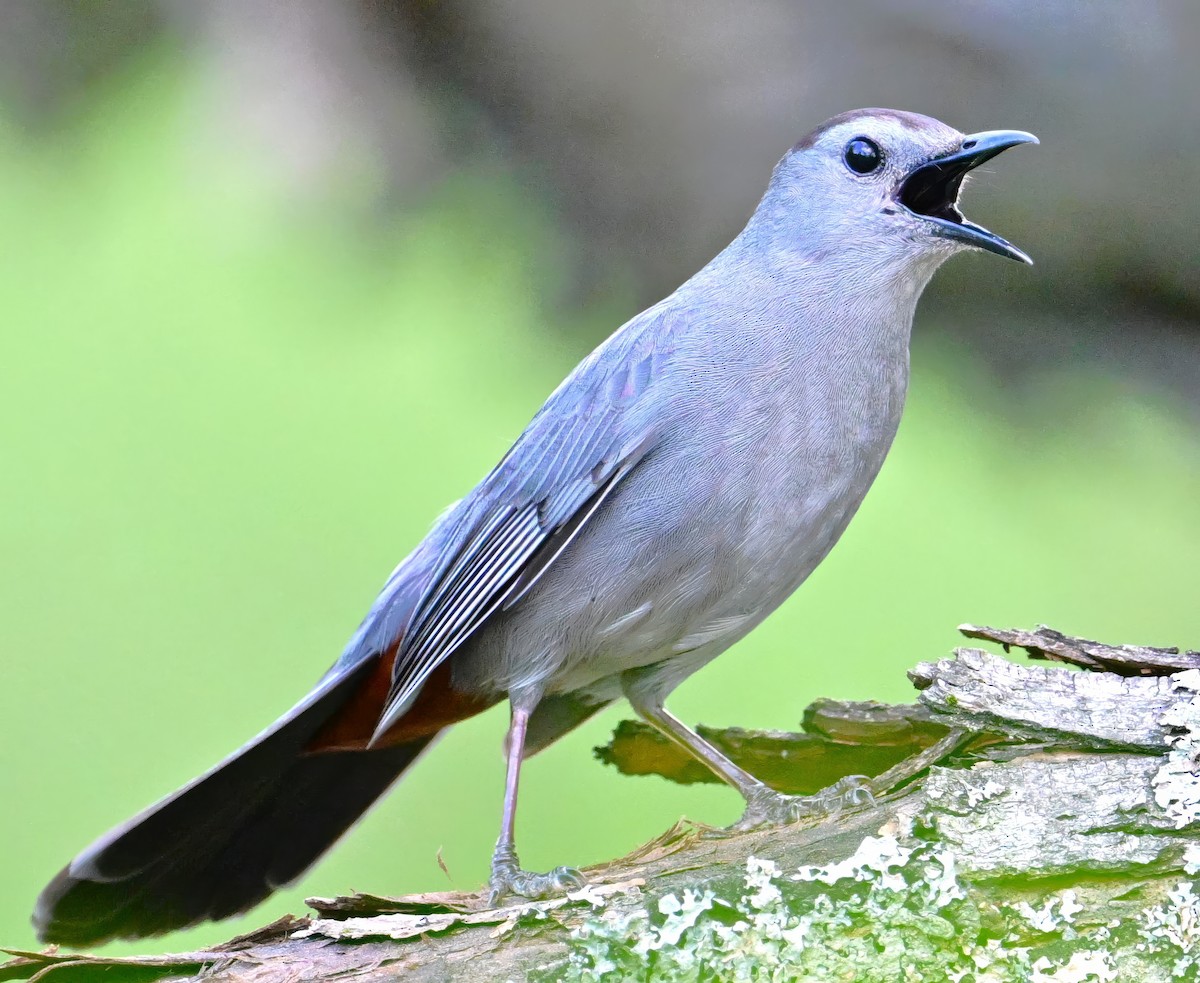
511, 880
770, 808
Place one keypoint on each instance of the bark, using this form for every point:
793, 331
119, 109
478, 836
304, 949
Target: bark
1029, 823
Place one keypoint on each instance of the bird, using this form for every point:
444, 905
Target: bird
684, 479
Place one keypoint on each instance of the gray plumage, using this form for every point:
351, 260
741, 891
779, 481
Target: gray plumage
736, 427
670, 494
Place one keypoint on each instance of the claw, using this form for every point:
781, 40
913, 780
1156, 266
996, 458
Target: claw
768, 807
508, 878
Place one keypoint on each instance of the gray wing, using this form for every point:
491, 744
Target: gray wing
590, 434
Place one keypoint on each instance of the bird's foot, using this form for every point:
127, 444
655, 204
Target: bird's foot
509, 879
766, 807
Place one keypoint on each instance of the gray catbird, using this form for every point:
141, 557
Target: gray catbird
682, 482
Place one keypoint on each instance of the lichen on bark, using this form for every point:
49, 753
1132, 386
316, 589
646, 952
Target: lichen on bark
1029, 823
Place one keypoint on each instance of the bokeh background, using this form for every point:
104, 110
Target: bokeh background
278, 280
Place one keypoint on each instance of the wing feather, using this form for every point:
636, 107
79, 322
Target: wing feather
494, 564
561, 539
592, 432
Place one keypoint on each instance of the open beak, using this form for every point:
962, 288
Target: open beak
931, 190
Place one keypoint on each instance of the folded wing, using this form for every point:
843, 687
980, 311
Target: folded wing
590, 435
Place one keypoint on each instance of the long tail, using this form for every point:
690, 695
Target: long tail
223, 843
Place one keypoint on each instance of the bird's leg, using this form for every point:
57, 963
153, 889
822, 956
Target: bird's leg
763, 804
507, 875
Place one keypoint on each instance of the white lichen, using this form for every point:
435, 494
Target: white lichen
1056, 914
1173, 928
873, 860
891, 912
895, 912
1191, 858
989, 790
1085, 966
1177, 781
681, 914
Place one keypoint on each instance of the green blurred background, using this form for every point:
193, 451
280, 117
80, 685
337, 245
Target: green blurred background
237, 385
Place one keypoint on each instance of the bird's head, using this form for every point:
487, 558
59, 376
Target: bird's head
878, 186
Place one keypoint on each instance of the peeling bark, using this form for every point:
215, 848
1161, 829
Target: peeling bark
1056, 809
1125, 660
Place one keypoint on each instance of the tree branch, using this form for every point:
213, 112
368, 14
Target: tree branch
1026, 820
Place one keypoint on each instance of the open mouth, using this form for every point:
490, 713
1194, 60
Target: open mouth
931, 190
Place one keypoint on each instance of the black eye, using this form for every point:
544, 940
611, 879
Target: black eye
863, 156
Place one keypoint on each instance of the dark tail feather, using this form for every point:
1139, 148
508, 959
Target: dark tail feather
222, 844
